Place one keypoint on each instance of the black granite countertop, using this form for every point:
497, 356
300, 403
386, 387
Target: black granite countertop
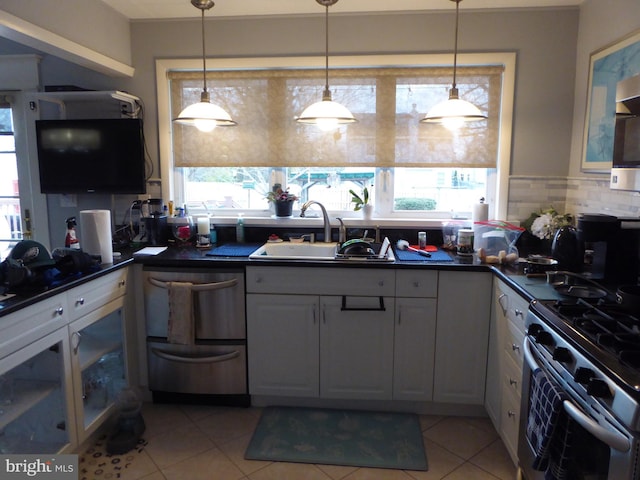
25, 296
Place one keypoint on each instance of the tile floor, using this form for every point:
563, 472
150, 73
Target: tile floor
189, 442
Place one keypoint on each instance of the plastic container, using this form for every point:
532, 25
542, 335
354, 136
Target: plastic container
494, 236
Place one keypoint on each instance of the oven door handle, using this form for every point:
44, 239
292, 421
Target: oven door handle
613, 439
195, 358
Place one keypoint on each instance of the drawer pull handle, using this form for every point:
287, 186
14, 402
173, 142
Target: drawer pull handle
515, 348
513, 383
511, 414
519, 313
502, 297
59, 311
80, 301
76, 338
199, 287
196, 358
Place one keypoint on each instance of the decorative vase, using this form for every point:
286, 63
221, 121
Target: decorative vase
284, 209
367, 211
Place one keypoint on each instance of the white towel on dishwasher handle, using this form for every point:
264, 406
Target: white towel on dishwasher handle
181, 327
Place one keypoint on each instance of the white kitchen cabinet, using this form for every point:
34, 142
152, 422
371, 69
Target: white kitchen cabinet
504, 369
36, 402
464, 306
98, 364
51, 354
283, 344
356, 347
414, 334
302, 341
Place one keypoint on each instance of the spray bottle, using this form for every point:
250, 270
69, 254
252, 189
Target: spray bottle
71, 240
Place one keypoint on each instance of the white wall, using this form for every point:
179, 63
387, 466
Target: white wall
544, 39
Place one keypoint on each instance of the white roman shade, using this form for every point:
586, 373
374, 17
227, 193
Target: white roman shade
388, 102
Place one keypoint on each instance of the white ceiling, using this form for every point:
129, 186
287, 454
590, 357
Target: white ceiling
158, 9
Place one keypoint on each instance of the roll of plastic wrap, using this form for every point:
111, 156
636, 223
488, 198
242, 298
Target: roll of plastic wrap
480, 212
95, 236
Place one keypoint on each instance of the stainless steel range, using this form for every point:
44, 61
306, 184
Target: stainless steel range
590, 349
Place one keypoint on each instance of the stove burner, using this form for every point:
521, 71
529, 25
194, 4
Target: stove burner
606, 325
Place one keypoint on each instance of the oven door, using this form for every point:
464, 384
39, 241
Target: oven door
601, 449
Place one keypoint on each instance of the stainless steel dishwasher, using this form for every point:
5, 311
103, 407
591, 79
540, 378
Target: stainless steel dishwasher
212, 368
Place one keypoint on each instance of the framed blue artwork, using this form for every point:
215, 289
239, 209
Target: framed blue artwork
607, 67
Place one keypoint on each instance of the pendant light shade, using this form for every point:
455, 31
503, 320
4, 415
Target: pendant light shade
454, 112
204, 115
326, 114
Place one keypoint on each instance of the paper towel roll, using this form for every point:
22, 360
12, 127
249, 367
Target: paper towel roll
480, 212
95, 237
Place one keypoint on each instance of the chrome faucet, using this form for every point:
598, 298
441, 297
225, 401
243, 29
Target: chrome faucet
342, 232
325, 216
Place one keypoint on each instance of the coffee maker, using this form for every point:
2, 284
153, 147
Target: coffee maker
610, 248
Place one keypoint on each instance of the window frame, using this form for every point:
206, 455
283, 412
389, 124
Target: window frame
497, 188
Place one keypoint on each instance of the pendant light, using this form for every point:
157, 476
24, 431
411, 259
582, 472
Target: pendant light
454, 112
204, 115
326, 114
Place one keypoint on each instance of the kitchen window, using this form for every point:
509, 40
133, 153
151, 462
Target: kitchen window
410, 168
10, 224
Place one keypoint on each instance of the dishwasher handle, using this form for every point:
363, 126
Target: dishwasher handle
198, 287
195, 358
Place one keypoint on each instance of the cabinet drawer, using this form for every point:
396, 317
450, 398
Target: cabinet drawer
91, 295
513, 343
417, 283
509, 422
31, 323
321, 281
512, 377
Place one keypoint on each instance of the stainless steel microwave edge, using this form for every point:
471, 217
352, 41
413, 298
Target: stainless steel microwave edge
625, 169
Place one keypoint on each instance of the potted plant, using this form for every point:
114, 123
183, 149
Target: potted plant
282, 200
361, 202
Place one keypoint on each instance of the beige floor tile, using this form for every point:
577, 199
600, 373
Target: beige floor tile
377, 474
235, 449
337, 472
153, 476
460, 436
226, 425
428, 421
467, 471
289, 471
496, 459
212, 464
181, 443
440, 460
160, 418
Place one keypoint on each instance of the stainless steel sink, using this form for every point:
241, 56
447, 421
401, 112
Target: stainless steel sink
318, 252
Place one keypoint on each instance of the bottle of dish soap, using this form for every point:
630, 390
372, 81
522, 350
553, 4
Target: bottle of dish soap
71, 240
240, 229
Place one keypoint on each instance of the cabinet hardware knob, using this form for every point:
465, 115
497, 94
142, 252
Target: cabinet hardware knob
122, 283
80, 301
511, 414
381, 283
416, 284
519, 313
258, 279
515, 347
59, 311
513, 382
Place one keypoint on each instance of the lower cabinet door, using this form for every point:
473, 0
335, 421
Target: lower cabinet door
356, 338
283, 345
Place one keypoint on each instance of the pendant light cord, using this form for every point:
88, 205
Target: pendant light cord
327, 92
204, 58
455, 45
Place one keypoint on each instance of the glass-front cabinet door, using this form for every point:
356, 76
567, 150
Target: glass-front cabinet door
36, 404
98, 363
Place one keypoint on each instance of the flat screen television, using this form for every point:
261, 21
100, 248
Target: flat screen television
91, 156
